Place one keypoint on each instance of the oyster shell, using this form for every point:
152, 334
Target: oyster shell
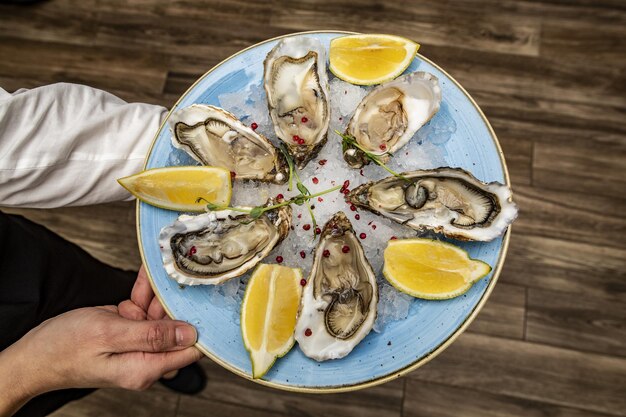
446, 200
339, 300
390, 114
214, 247
296, 84
215, 137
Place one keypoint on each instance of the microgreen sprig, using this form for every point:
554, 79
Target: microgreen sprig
293, 173
349, 141
256, 212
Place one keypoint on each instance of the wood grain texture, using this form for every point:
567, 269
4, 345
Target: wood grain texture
504, 314
577, 269
418, 20
226, 387
550, 75
575, 217
425, 399
197, 407
587, 169
66, 21
589, 324
554, 121
102, 67
547, 78
531, 371
156, 402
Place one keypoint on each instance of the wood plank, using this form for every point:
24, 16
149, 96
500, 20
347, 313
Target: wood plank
157, 401
130, 71
576, 322
603, 12
577, 4
190, 45
106, 231
589, 169
198, 407
555, 121
577, 217
177, 83
531, 371
518, 156
576, 138
428, 22
580, 269
427, 399
64, 21
226, 387
545, 78
579, 40
503, 314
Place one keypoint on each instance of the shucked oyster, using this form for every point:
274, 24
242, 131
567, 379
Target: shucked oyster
296, 84
213, 247
390, 115
215, 137
446, 200
338, 306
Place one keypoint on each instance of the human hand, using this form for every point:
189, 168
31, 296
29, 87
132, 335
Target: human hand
95, 347
142, 305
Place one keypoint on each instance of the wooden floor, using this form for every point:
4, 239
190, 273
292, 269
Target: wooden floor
551, 78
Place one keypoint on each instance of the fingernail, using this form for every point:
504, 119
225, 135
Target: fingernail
185, 335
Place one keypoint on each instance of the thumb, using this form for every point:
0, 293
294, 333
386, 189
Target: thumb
153, 336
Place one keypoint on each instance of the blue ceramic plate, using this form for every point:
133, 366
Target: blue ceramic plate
403, 345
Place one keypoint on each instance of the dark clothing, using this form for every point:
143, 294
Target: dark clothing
43, 275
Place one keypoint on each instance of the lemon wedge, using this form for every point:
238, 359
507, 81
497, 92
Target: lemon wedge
181, 188
370, 59
431, 269
268, 314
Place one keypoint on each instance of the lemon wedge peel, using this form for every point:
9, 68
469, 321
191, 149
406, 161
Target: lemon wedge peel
263, 360
165, 187
475, 269
374, 56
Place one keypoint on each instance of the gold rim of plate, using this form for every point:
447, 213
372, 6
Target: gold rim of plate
400, 372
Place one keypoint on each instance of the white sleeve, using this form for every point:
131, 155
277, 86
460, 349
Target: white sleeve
67, 144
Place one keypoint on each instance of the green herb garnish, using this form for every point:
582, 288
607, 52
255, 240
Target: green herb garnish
293, 173
348, 141
256, 212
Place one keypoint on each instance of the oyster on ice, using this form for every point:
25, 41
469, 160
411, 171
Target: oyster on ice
296, 84
338, 306
213, 247
390, 114
446, 200
215, 137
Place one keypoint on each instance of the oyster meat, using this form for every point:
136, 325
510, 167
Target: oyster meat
296, 84
214, 247
450, 201
215, 137
390, 114
338, 306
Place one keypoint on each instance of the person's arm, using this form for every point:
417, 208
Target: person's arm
92, 347
66, 144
